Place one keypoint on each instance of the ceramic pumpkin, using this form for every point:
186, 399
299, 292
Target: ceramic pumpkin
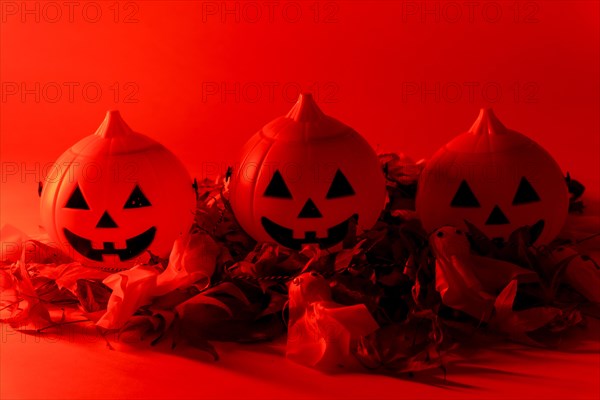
116, 196
307, 178
495, 178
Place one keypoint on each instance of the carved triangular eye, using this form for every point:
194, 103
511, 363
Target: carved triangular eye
340, 187
137, 199
464, 197
277, 187
525, 193
77, 201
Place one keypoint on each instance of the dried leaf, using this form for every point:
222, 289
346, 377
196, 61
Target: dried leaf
131, 290
517, 323
92, 295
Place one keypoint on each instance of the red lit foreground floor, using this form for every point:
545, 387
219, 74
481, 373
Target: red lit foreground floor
80, 366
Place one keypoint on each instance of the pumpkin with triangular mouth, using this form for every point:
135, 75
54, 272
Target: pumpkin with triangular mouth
307, 178
116, 197
496, 179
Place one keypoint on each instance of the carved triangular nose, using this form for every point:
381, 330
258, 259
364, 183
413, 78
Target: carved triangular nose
106, 221
310, 210
497, 217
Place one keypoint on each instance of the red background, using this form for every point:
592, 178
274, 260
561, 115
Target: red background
389, 69
407, 75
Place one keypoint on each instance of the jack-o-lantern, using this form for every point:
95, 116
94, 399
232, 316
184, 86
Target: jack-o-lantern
307, 178
496, 179
117, 196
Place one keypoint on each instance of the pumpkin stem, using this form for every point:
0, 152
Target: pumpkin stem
113, 125
487, 123
305, 109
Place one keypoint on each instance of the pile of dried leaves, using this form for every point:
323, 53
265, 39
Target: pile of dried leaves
392, 298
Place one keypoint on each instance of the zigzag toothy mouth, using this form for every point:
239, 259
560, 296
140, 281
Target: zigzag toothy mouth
134, 246
285, 236
535, 231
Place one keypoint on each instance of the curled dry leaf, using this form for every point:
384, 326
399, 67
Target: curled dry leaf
518, 323
322, 333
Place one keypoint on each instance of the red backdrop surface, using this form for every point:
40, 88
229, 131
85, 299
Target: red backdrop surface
202, 77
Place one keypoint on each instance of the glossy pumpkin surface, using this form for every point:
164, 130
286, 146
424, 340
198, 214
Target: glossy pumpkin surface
497, 179
116, 197
307, 178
